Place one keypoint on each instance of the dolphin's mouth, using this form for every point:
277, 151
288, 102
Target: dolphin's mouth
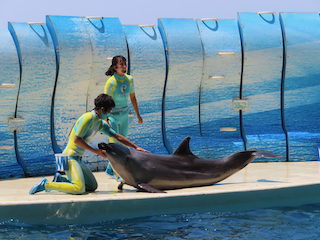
104, 146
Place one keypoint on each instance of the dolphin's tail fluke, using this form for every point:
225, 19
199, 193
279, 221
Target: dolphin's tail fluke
263, 153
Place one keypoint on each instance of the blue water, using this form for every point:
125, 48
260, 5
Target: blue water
277, 223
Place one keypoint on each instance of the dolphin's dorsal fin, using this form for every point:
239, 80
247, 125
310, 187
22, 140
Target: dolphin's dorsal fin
184, 148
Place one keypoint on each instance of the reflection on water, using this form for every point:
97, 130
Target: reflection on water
276, 223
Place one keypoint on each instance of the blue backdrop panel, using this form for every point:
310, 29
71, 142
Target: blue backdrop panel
107, 40
38, 70
220, 123
302, 85
261, 82
9, 87
185, 58
74, 54
148, 69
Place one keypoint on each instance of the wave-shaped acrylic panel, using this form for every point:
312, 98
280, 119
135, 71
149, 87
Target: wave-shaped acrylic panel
9, 87
261, 82
302, 85
38, 71
148, 69
185, 61
220, 123
74, 54
107, 40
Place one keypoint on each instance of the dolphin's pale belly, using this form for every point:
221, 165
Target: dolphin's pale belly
167, 184
195, 181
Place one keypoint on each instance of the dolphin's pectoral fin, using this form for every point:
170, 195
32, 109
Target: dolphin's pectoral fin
149, 188
120, 186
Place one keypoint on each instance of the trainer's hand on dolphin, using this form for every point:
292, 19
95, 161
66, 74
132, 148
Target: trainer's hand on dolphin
83, 144
142, 150
101, 152
121, 139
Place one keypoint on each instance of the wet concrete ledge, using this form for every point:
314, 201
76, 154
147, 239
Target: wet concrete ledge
259, 185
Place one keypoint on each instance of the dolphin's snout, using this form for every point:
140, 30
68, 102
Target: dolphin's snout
264, 153
104, 146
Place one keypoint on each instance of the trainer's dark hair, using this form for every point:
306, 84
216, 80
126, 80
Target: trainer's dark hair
104, 100
114, 62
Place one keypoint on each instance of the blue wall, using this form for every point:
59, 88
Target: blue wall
229, 84
220, 83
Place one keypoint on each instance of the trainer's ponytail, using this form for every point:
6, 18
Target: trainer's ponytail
114, 62
110, 71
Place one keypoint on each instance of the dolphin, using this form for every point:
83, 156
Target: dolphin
155, 173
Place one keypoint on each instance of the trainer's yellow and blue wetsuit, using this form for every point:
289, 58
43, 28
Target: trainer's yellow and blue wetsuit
119, 88
79, 175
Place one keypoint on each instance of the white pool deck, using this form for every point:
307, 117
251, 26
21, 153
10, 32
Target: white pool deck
259, 185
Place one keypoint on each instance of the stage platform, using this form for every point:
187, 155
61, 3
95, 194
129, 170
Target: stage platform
259, 185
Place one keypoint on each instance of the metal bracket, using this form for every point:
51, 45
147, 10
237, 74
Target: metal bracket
6, 147
228, 129
240, 104
226, 53
94, 17
7, 85
259, 13
217, 77
35, 23
15, 124
144, 25
209, 19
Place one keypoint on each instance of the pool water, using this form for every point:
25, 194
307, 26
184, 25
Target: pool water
276, 223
